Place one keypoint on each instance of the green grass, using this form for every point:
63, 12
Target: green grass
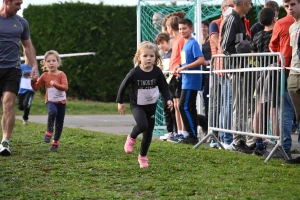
92, 165
73, 107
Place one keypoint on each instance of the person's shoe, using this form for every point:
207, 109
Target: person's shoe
54, 146
269, 143
25, 122
4, 149
228, 146
176, 139
47, 137
259, 152
293, 161
129, 144
213, 144
190, 140
143, 161
166, 136
242, 147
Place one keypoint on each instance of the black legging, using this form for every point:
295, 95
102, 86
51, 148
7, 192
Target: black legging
145, 121
24, 103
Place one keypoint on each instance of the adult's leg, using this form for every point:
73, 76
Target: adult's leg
8, 116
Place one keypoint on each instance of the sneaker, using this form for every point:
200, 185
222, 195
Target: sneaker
278, 154
47, 137
54, 146
190, 140
293, 161
166, 136
25, 122
259, 152
4, 149
176, 139
242, 147
269, 143
129, 144
213, 144
228, 146
143, 160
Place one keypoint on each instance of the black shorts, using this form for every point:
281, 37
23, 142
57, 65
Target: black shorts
175, 84
10, 80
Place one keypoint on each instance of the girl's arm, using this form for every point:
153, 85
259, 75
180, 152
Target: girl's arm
37, 83
125, 83
63, 86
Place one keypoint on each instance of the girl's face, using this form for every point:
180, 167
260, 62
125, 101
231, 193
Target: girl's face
147, 57
204, 29
52, 63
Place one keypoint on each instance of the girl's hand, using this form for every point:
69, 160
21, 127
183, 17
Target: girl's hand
170, 104
52, 82
34, 76
121, 108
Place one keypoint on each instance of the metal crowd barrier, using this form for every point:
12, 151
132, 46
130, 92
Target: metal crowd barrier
246, 98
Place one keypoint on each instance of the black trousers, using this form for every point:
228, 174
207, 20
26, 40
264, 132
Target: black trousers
169, 115
24, 103
145, 121
188, 111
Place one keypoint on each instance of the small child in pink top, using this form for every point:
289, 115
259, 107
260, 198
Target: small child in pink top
56, 84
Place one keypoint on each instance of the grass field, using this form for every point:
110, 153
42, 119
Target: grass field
92, 165
73, 107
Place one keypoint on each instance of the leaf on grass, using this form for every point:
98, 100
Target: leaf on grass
46, 169
55, 194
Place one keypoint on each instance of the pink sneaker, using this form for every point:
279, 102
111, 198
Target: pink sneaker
143, 160
129, 144
47, 137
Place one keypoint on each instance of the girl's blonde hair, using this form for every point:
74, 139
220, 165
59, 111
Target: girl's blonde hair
148, 45
48, 53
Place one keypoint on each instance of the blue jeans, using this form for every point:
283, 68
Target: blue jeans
56, 115
226, 109
288, 116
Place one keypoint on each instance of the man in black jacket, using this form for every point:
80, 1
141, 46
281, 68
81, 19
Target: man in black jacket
235, 41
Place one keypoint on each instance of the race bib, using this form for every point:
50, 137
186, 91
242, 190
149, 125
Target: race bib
147, 96
166, 64
55, 95
183, 57
26, 83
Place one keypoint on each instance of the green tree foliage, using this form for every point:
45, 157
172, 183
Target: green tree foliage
110, 31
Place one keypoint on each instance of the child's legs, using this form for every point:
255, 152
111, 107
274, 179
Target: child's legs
140, 117
59, 122
20, 100
27, 104
147, 135
52, 111
177, 114
188, 111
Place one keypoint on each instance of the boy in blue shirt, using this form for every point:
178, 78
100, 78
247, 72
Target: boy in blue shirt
25, 94
191, 60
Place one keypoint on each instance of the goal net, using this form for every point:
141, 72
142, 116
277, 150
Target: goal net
146, 31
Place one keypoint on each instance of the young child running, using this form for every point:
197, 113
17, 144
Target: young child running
25, 94
56, 84
146, 80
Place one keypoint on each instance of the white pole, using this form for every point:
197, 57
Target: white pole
198, 28
138, 23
